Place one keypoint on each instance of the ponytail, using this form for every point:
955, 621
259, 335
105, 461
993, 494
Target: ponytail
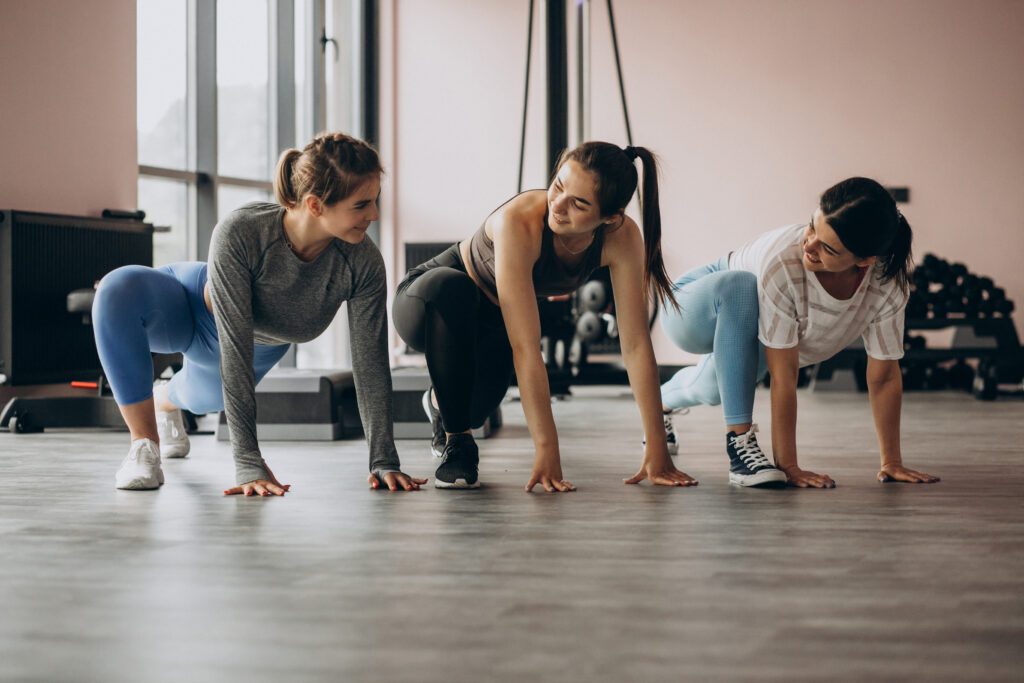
897, 263
616, 182
283, 179
656, 282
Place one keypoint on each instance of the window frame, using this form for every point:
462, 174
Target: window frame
201, 176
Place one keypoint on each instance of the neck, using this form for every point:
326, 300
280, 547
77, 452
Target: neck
303, 236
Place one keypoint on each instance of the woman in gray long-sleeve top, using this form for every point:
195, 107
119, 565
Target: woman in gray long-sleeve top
277, 275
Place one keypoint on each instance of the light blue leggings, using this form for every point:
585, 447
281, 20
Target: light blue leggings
719, 319
138, 310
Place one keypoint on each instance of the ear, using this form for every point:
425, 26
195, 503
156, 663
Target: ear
616, 219
313, 205
865, 262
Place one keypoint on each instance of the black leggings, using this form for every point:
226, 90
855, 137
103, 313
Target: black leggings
440, 311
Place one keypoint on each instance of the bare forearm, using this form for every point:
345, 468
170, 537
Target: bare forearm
783, 398
886, 405
643, 378
535, 394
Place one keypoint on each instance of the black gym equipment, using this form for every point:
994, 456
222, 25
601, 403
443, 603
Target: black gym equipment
49, 265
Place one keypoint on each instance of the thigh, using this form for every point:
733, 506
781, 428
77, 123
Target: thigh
692, 327
494, 368
450, 291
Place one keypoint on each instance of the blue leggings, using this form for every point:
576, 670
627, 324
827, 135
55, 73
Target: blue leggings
138, 310
719, 319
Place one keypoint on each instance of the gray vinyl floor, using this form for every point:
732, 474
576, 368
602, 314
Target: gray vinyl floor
611, 583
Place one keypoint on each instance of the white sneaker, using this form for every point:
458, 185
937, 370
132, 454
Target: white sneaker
670, 431
174, 441
140, 470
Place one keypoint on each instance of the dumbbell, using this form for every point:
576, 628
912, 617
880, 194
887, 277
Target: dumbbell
913, 377
592, 327
593, 296
961, 376
936, 378
914, 342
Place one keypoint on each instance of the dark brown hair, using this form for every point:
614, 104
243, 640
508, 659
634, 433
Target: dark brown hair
331, 167
864, 216
616, 181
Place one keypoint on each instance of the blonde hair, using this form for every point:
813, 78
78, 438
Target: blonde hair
331, 167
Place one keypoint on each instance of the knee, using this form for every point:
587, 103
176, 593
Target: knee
118, 289
709, 394
737, 290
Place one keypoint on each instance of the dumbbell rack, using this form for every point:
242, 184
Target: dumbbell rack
998, 361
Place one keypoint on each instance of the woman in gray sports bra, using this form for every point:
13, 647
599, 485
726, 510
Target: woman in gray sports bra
473, 310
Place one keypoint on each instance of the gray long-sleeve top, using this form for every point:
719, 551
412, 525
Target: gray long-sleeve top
263, 293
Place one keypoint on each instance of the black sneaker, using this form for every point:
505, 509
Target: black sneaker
439, 439
748, 465
458, 469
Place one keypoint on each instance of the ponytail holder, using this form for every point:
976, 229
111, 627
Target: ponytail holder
630, 152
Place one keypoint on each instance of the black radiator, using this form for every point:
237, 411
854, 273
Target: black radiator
43, 257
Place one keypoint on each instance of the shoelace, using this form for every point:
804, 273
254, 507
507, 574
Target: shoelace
749, 451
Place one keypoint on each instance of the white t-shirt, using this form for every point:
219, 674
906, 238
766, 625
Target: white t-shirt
795, 310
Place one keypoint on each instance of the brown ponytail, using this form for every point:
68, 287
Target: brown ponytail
616, 182
331, 167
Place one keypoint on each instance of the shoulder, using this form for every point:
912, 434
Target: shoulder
364, 258
886, 294
623, 243
782, 253
520, 218
253, 223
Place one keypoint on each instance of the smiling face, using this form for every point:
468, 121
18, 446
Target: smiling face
572, 201
824, 252
349, 218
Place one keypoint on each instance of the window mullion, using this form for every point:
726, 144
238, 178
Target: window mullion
203, 83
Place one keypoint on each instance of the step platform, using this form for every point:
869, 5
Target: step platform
320, 405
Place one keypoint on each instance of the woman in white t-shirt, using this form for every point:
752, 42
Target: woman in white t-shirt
790, 298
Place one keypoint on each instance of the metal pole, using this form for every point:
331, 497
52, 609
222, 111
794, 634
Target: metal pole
557, 81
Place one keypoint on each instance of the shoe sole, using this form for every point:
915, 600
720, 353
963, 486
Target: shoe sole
438, 452
765, 480
142, 483
175, 452
457, 484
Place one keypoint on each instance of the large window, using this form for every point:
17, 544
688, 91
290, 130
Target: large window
223, 87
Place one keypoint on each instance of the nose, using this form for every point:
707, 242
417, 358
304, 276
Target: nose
374, 212
558, 204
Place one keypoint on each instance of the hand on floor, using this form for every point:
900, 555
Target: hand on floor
395, 481
260, 487
807, 479
663, 475
901, 473
550, 477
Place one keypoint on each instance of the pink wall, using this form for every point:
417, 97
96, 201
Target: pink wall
754, 106
67, 127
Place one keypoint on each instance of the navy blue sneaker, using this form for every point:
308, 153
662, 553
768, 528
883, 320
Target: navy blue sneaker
748, 465
458, 469
439, 439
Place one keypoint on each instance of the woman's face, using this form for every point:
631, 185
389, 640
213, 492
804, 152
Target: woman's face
824, 252
349, 219
572, 201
